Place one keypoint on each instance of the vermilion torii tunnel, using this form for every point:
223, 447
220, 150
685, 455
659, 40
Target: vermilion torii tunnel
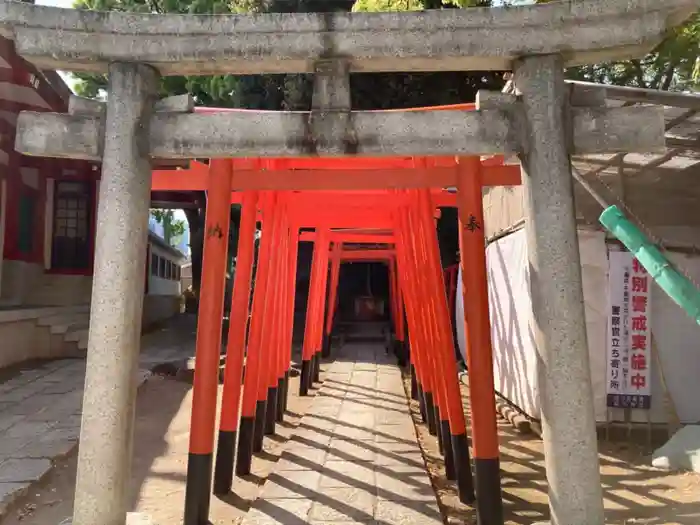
396, 214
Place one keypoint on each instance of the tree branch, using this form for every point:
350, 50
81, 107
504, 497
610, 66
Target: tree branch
638, 73
669, 73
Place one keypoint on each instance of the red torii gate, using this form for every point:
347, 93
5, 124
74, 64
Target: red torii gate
422, 293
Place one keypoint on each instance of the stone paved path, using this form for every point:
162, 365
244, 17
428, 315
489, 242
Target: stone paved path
355, 456
40, 408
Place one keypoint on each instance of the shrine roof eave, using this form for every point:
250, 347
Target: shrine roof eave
583, 32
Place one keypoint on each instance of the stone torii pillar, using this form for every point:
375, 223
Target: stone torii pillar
106, 432
568, 419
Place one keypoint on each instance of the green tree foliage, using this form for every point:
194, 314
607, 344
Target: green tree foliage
673, 65
172, 228
207, 91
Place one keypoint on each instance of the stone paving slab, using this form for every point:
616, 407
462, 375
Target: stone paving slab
355, 457
40, 409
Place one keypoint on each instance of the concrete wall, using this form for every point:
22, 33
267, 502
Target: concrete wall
59, 289
19, 280
159, 308
186, 277
23, 340
163, 298
19, 342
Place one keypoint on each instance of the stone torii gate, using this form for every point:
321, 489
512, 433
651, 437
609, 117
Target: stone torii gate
544, 125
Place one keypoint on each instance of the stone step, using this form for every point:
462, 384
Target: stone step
21, 313
71, 326
77, 335
61, 315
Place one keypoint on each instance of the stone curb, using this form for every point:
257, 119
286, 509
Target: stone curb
521, 423
17, 490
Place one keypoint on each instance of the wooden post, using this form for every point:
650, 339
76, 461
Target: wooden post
457, 424
275, 328
306, 378
322, 303
250, 408
292, 277
333, 296
272, 224
208, 350
479, 353
235, 351
418, 325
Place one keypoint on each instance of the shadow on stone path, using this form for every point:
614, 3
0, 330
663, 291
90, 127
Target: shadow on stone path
355, 457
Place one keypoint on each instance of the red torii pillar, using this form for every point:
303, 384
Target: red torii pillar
277, 367
424, 271
272, 223
333, 297
235, 349
472, 251
253, 410
206, 374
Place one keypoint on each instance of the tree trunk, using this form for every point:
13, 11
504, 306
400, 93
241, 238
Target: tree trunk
195, 220
167, 226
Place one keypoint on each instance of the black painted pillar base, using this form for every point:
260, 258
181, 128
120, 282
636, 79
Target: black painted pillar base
400, 353
280, 400
430, 413
305, 378
271, 412
259, 432
463, 468
317, 367
326, 346
223, 468
489, 504
197, 495
286, 390
450, 472
438, 427
421, 404
244, 459
414, 383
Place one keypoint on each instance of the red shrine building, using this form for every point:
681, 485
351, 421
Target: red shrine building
47, 231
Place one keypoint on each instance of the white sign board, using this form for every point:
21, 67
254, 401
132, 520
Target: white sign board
629, 333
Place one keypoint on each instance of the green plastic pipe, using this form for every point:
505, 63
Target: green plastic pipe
676, 285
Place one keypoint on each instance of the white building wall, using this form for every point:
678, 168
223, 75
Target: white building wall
158, 285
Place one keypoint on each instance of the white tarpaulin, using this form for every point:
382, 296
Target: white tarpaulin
515, 357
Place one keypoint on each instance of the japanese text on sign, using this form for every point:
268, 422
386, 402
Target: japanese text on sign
629, 333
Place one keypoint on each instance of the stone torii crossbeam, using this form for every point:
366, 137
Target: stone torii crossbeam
544, 125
